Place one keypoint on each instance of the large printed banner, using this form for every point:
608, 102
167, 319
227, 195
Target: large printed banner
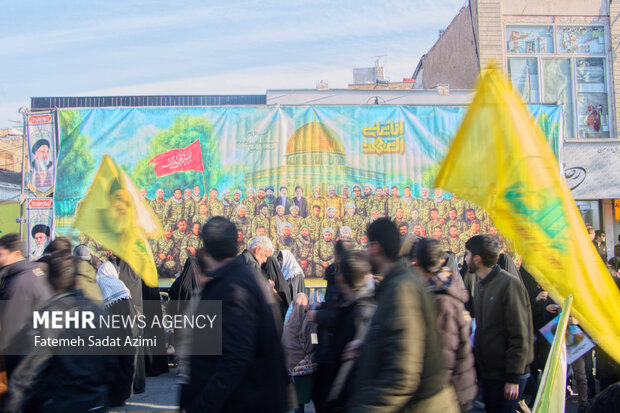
40, 218
318, 153
41, 132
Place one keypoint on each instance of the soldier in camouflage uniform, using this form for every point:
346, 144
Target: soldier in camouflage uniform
433, 222
295, 220
368, 189
302, 250
175, 208
193, 204
359, 201
243, 244
414, 219
236, 200
353, 221
284, 241
374, 215
455, 243
250, 202
442, 204
318, 200
424, 204
438, 235
474, 229
261, 220
331, 221
393, 203
453, 220
377, 202
180, 233
227, 203
277, 223
158, 205
164, 253
346, 233
314, 222
459, 205
363, 244
190, 244
407, 201
241, 220
203, 214
216, 208
399, 216
323, 253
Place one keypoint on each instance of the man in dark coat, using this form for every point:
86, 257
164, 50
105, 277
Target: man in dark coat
250, 374
20, 282
503, 346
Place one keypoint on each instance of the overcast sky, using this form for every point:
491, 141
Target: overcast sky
76, 48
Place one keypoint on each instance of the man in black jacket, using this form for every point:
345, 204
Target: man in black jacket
250, 374
503, 346
21, 282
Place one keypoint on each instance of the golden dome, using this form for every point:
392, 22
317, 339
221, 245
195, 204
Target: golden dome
314, 137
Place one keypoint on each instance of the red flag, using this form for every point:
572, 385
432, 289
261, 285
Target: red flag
178, 160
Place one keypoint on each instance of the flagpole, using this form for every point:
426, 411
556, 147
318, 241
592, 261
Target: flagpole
204, 181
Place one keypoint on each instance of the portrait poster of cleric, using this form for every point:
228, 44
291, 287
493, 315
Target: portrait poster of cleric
40, 225
41, 130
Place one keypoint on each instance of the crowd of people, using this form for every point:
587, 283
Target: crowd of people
307, 224
393, 331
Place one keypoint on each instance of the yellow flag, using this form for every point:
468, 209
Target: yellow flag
551, 396
117, 217
501, 161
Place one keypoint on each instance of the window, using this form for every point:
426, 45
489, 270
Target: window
566, 64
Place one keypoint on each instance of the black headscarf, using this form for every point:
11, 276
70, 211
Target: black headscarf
271, 270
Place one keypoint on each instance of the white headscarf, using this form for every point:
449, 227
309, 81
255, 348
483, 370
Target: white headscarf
290, 266
112, 289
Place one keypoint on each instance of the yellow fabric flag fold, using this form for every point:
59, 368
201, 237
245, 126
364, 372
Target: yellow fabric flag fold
115, 215
551, 396
501, 160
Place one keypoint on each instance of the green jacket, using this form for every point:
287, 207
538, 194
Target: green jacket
400, 368
504, 344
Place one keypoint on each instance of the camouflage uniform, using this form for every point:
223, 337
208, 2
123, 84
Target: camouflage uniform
407, 204
360, 206
392, 204
215, 207
460, 225
272, 207
243, 245
443, 207
191, 206
302, 250
375, 203
320, 201
457, 246
174, 211
424, 206
165, 267
191, 241
315, 226
460, 207
334, 223
356, 223
244, 224
284, 243
178, 238
158, 207
296, 223
322, 252
260, 221
201, 219
430, 227
97, 250
250, 207
228, 209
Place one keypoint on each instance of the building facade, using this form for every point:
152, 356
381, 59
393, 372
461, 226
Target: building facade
560, 52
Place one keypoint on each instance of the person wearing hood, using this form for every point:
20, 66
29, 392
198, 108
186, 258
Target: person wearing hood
450, 297
20, 281
117, 301
292, 271
299, 350
86, 277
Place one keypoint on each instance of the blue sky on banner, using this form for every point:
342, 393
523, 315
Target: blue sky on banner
77, 48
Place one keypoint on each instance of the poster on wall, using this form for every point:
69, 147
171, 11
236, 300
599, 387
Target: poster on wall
41, 135
302, 175
40, 218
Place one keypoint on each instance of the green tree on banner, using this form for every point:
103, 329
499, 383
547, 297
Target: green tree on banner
75, 162
185, 130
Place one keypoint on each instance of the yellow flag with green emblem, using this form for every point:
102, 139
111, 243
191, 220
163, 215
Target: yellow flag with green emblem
115, 215
501, 161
